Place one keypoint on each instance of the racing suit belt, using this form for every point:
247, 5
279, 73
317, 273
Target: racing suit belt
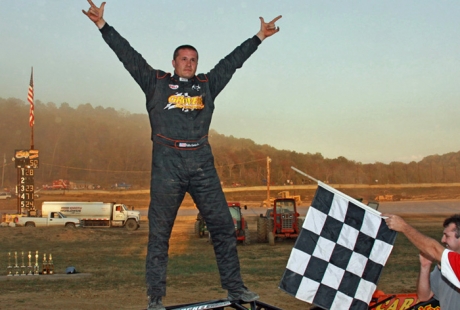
181, 144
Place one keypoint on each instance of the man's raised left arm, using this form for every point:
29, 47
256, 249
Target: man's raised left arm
221, 74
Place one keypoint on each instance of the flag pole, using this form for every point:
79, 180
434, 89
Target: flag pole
335, 191
32, 137
30, 98
303, 173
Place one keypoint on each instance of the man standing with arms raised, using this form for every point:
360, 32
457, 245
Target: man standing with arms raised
180, 107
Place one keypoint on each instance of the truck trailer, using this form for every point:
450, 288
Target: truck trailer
95, 214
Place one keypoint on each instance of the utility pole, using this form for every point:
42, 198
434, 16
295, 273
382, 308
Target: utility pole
3, 167
268, 181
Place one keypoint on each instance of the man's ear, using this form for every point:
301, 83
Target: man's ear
173, 63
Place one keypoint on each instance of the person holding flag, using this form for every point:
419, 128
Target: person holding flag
430, 248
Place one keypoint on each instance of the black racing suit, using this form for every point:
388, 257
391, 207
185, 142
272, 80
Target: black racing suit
180, 112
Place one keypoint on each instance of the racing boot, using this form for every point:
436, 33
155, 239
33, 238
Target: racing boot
242, 294
155, 303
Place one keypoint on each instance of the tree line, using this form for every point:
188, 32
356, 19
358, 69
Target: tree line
103, 146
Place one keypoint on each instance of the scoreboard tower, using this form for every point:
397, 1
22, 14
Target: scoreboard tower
26, 161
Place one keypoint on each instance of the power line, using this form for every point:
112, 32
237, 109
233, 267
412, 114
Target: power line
242, 163
95, 170
136, 171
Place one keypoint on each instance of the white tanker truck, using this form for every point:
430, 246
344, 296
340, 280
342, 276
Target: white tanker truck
95, 214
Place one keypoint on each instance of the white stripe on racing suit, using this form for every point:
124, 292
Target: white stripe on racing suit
450, 266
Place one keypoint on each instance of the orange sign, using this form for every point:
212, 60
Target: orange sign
381, 301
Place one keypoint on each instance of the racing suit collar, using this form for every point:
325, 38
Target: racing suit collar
181, 79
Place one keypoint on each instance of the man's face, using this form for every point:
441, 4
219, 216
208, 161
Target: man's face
186, 63
449, 239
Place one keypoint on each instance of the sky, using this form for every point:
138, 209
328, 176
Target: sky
372, 81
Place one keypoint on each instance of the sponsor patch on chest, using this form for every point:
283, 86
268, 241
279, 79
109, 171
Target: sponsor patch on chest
185, 102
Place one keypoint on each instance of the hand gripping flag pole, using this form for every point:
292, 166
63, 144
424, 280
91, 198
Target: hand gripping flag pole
339, 255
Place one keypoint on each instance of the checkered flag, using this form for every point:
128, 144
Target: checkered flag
338, 257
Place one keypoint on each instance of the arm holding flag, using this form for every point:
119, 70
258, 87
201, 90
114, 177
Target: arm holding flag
425, 244
432, 249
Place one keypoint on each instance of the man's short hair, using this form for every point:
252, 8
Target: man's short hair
453, 219
184, 47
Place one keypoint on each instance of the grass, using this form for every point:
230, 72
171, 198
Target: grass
115, 258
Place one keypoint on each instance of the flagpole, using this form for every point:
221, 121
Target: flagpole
32, 138
30, 98
303, 173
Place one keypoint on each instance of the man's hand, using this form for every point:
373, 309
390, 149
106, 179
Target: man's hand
267, 29
96, 14
425, 261
394, 222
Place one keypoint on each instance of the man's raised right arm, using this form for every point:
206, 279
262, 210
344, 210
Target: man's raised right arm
430, 247
133, 61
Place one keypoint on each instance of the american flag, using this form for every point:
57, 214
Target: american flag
30, 98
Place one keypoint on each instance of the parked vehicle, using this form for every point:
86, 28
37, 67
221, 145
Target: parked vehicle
284, 194
9, 217
51, 219
282, 221
241, 226
96, 214
200, 226
121, 185
5, 195
58, 184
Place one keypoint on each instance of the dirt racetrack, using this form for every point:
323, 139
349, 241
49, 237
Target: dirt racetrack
114, 261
